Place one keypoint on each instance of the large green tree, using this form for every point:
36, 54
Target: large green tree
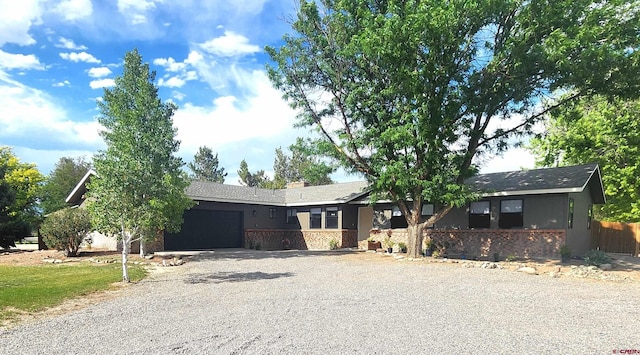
20, 185
205, 166
302, 163
410, 92
139, 189
64, 177
606, 132
257, 179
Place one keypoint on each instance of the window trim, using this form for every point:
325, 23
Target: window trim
488, 214
571, 210
315, 217
328, 218
502, 214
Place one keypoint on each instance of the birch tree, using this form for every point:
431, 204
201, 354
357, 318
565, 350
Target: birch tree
139, 187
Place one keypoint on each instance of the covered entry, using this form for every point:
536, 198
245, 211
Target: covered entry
207, 229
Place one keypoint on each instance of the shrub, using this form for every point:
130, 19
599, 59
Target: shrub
403, 247
333, 244
65, 229
596, 257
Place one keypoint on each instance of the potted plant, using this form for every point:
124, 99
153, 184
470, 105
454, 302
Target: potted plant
286, 244
388, 244
403, 247
565, 254
372, 244
429, 246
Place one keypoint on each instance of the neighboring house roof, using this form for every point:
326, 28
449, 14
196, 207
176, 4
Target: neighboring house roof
542, 181
301, 196
77, 194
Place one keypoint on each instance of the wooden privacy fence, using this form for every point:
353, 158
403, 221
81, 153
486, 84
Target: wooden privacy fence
616, 237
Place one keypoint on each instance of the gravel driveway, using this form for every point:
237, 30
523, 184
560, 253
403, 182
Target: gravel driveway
243, 301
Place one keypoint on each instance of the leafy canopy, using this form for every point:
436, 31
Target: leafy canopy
139, 189
410, 93
205, 166
20, 185
606, 132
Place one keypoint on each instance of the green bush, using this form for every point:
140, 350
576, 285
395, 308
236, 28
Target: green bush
596, 257
65, 229
333, 244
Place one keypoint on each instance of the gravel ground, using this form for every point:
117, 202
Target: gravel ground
242, 301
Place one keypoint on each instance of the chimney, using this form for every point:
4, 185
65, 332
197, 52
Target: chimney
297, 184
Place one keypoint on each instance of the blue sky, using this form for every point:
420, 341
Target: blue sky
57, 56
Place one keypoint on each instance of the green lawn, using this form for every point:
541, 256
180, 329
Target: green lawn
34, 288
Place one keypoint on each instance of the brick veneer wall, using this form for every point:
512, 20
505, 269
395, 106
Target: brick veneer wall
523, 243
270, 239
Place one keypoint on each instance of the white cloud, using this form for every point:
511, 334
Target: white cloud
261, 116
136, 5
16, 19
173, 82
101, 83
19, 61
230, 45
69, 44
79, 57
62, 83
178, 95
170, 64
73, 10
138, 19
99, 72
31, 115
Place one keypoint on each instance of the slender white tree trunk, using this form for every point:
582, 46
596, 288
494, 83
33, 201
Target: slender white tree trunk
126, 246
142, 248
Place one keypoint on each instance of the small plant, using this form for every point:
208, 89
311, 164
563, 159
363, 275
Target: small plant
511, 257
565, 250
596, 257
257, 246
286, 243
388, 243
436, 254
403, 247
333, 244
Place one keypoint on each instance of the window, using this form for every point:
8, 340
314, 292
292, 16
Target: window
570, 219
273, 213
511, 214
397, 219
292, 216
427, 210
331, 217
479, 214
315, 218
589, 216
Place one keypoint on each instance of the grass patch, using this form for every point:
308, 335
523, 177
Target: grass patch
34, 288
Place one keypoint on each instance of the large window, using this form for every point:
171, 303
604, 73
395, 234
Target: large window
427, 211
397, 219
292, 216
511, 214
315, 218
331, 217
570, 219
480, 214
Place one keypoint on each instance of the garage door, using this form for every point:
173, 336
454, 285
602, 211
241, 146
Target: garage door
203, 229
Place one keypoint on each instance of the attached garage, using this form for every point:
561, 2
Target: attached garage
207, 229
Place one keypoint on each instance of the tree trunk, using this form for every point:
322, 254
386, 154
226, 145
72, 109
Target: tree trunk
142, 247
414, 239
126, 246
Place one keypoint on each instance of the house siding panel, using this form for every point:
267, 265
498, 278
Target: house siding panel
578, 237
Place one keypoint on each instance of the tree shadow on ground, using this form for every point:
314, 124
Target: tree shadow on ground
221, 277
250, 254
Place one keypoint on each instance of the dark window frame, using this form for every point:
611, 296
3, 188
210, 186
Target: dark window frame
397, 220
315, 219
273, 213
570, 214
508, 220
479, 220
292, 216
331, 220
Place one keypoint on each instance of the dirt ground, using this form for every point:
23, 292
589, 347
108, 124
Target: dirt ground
40, 257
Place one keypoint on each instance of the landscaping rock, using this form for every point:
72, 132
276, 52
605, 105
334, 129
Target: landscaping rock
605, 267
528, 270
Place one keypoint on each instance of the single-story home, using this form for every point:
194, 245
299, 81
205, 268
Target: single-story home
529, 213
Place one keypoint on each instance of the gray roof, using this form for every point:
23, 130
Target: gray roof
310, 195
541, 181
